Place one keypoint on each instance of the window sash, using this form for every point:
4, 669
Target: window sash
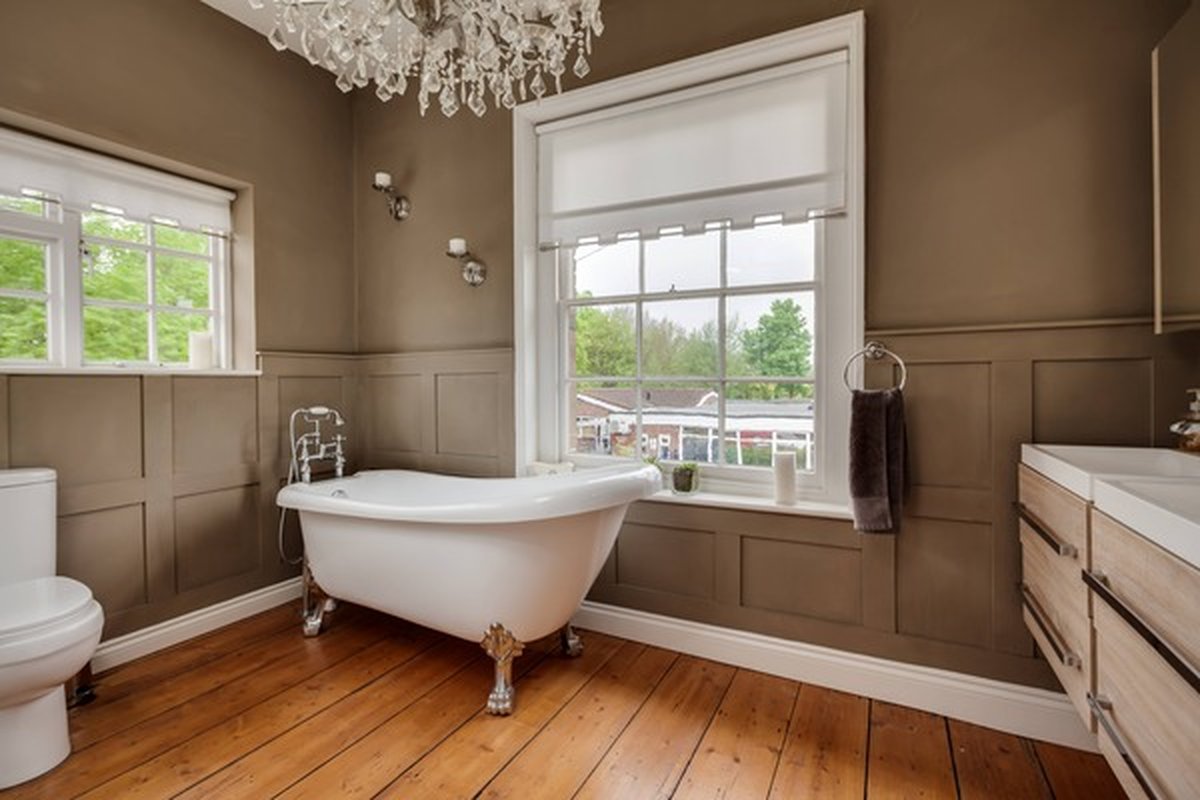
65, 299
568, 381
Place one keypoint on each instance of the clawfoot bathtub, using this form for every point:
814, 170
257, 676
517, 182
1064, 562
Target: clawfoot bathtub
502, 561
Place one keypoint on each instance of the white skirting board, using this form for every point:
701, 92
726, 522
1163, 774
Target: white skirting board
1022, 710
142, 642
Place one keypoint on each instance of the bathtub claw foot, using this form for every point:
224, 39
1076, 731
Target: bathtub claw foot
503, 647
316, 604
572, 645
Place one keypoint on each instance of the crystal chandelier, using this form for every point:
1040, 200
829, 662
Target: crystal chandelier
458, 51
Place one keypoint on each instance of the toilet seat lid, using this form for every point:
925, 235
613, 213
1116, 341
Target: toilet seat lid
41, 601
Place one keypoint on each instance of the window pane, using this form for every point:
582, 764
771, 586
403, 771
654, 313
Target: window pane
173, 332
178, 239
115, 334
679, 421
772, 254
603, 340
23, 205
22, 265
22, 329
679, 337
756, 430
605, 419
181, 281
113, 226
115, 273
770, 334
604, 270
683, 262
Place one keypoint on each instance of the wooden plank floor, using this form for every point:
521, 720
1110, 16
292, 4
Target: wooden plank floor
376, 707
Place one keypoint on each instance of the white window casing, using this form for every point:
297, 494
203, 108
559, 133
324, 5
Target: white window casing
680, 146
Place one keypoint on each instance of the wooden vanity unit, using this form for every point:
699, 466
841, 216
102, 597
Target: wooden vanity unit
1117, 616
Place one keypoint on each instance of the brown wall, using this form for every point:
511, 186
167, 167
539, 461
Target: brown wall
1009, 227
175, 81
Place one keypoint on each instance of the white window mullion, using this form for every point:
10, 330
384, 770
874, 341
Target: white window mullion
152, 297
220, 281
722, 344
68, 294
639, 371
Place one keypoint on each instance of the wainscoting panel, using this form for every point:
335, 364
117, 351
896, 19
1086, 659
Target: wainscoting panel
107, 551
943, 592
796, 578
211, 536
395, 412
215, 423
448, 412
165, 505
673, 560
90, 428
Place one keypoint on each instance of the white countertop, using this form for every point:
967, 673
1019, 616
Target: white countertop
1153, 491
1165, 511
1077, 467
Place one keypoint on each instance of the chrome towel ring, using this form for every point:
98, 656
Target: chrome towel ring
874, 351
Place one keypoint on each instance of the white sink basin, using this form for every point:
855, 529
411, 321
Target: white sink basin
1076, 467
1165, 511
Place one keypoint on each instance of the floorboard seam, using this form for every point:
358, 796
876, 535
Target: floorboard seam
787, 734
700, 739
201, 731
201, 779
625, 727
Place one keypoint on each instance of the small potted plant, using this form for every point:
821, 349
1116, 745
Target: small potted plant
685, 478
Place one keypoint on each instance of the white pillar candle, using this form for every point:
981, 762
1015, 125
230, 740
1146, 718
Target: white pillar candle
458, 246
383, 179
200, 350
785, 477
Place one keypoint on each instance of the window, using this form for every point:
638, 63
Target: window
106, 264
689, 246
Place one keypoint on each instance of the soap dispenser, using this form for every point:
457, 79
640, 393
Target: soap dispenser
1188, 428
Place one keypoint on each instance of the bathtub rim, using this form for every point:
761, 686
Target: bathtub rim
523, 499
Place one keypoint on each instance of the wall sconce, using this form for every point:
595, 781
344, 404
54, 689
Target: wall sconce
474, 271
398, 205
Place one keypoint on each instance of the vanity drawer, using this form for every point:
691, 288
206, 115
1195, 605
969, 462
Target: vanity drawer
1162, 589
1060, 626
1056, 574
1146, 608
1059, 517
1148, 713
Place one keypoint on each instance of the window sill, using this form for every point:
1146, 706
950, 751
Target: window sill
22, 369
802, 508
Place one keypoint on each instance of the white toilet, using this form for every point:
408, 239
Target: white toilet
49, 628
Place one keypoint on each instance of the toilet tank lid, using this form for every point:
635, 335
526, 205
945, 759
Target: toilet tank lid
23, 477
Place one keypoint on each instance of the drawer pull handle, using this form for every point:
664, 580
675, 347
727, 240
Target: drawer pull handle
1099, 584
1035, 523
1100, 707
1056, 643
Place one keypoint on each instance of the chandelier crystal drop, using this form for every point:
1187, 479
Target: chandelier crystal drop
457, 52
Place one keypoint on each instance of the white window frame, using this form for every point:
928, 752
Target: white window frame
62, 230
539, 359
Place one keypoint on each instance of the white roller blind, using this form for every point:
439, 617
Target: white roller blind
771, 142
79, 179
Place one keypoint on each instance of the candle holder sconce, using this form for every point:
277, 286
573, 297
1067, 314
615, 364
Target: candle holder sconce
474, 271
398, 205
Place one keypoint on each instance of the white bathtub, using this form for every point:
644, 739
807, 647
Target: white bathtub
502, 560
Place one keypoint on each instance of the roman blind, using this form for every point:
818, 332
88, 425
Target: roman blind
81, 180
765, 143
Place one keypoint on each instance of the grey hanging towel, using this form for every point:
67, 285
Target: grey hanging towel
877, 459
